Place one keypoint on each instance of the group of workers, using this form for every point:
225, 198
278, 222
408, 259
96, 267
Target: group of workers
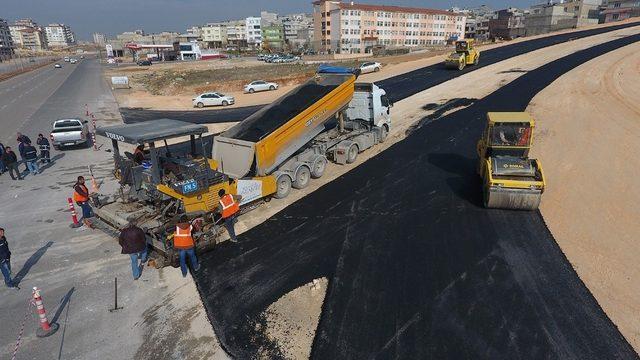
133, 241
28, 155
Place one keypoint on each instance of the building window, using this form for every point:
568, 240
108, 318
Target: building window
616, 5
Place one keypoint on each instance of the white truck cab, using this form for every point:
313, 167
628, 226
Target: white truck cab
370, 103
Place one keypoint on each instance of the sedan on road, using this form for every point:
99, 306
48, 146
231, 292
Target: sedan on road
57, 66
213, 99
370, 67
260, 85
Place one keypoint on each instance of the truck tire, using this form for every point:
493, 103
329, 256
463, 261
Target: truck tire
200, 105
318, 166
283, 186
384, 132
352, 153
303, 177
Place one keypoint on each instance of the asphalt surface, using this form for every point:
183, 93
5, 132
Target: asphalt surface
397, 87
417, 268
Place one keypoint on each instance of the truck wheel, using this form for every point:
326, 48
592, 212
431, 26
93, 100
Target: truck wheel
303, 176
384, 132
200, 105
283, 186
317, 169
352, 153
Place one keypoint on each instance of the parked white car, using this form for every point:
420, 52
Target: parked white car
69, 132
73, 61
213, 99
370, 67
57, 66
260, 85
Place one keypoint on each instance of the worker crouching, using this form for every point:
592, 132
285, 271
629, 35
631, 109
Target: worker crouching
184, 243
229, 207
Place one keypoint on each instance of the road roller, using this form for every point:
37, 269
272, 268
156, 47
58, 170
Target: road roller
465, 54
511, 180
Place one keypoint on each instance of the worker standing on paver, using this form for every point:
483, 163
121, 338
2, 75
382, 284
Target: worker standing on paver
138, 154
44, 145
133, 242
10, 160
5, 261
229, 207
81, 197
183, 241
31, 158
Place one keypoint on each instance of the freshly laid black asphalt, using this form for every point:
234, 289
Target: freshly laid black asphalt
417, 268
397, 87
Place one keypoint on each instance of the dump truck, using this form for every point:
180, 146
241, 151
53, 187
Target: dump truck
511, 180
281, 146
286, 143
465, 54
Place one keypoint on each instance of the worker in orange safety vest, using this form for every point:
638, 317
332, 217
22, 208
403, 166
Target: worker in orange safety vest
228, 208
81, 197
184, 243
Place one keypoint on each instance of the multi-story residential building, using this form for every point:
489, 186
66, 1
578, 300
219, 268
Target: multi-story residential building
140, 37
28, 35
33, 39
357, 28
214, 35
254, 31
617, 10
59, 35
470, 28
237, 34
273, 37
507, 24
6, 41
297, 29
99, 39
548, 17
267, 18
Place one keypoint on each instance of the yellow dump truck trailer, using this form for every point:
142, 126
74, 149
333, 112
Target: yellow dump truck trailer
289, 142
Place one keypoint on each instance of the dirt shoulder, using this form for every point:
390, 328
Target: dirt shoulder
588, 130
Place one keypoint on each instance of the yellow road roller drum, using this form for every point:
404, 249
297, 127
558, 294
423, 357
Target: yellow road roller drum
465, 54
510, 179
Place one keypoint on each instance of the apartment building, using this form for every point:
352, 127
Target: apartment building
358, 28
214, 35
237, 34
6, 41
32, 39
273, 37
99, 39
21, 24
254, 31
618, 10
507, 24
544, 18
59, 35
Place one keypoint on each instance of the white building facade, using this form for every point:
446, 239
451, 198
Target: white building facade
59, 35
254, 31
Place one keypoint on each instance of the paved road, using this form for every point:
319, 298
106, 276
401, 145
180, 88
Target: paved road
417, 268
75, 268
398, 87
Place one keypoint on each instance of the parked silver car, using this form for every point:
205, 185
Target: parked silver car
213, 99
69, 132
259, 85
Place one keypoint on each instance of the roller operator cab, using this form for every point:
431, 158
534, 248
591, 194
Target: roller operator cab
465, 54
511, 180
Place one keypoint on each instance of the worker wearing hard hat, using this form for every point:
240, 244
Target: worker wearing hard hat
229, 207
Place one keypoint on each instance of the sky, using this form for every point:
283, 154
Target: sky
115, 16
